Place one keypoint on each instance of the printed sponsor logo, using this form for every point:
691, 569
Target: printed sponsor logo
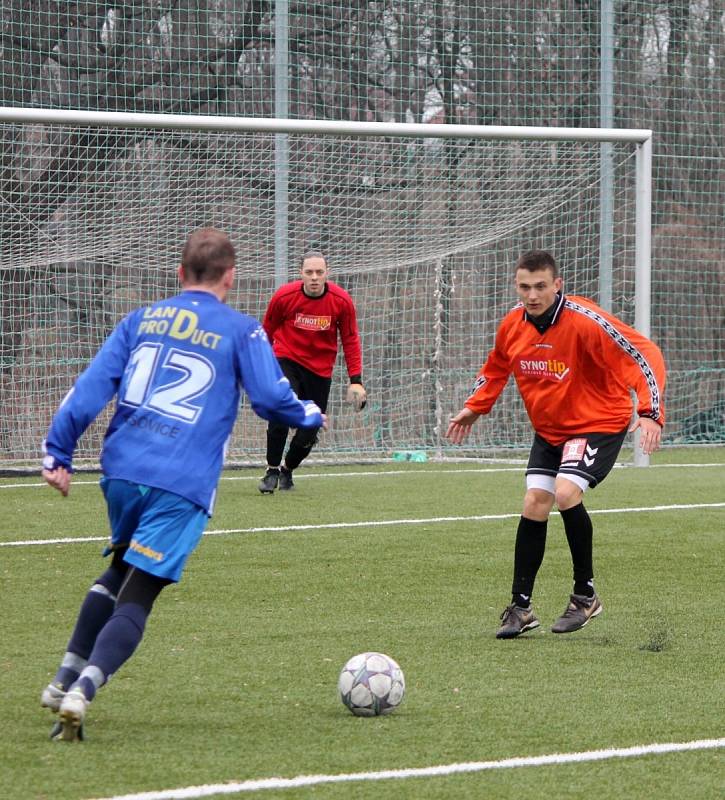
573, 450
309, 322
145, 551
179, 323
549, 368
154, 426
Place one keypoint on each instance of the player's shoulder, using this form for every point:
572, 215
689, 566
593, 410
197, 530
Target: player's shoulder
580, 300
586, 316
236, 318
335, 290
241, 327
214, 312
584, 308
513, 315
287, 289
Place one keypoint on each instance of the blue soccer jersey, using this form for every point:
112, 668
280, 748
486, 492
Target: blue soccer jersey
177, 368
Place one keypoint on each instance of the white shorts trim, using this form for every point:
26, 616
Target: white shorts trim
547, 483
577, 480
544, 482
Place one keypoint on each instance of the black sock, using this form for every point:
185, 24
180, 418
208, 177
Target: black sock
528, 555
578, 528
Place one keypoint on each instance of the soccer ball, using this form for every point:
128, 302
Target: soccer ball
371, 684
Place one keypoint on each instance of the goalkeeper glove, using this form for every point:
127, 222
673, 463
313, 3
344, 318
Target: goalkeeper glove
357, 396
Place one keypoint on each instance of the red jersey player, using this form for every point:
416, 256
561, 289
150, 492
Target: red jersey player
574, 365
303, 321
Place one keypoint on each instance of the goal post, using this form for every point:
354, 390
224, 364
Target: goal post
421, 223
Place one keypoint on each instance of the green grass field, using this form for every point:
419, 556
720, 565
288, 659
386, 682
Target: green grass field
236, 678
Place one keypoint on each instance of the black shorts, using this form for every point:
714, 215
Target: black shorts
307, 385
590, 456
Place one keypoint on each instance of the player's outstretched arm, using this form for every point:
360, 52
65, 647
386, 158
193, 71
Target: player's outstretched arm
58, 478
650, 434
460, 425
268, 390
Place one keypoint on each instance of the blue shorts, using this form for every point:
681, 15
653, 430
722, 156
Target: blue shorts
160, 528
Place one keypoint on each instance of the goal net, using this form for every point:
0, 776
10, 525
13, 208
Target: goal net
423, 232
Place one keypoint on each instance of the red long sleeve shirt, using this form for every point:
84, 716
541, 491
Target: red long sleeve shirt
305, 329
576, 376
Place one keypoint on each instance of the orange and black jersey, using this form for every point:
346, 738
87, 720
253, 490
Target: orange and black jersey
304, 329
574, 372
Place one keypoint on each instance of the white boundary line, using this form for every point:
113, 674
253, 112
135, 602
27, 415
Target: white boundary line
189, 792
375, 473
306, 475
373, 523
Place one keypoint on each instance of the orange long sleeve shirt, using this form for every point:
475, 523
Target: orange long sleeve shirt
576, 376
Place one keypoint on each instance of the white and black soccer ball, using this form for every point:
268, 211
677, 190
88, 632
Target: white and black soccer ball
371, 684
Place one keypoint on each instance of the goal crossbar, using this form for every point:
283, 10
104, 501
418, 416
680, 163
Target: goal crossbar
127, 119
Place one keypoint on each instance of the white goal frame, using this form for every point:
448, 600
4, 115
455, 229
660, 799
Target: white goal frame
641, 139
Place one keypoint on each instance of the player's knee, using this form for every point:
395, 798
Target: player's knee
307, 439
142, 588
109, 583
567, 495
537, 504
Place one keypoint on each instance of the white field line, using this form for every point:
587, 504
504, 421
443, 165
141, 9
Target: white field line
373, 523
357, 474
375, 473
207, 790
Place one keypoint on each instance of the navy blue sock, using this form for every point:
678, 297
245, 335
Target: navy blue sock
94, 614
65, 677
95, 611
119, 638
87, 686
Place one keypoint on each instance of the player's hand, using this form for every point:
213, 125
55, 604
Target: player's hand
460, 426
324, 422
650, 434
58, 478
357, 396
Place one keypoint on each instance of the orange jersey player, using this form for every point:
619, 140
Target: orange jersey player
574, 365
576, 373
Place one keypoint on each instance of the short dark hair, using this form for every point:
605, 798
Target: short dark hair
208, 254
537, 259
312, 254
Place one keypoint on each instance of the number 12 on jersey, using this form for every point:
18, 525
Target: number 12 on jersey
173, 398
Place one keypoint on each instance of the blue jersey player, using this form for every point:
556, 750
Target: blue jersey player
176, 369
